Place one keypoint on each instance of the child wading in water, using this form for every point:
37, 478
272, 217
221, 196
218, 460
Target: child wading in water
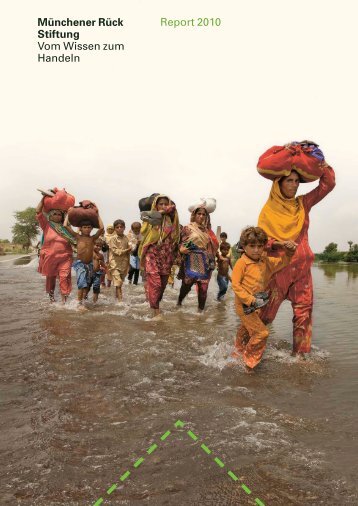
99, 268
119, 250
134, 239
83, 265
250, 277
224, 264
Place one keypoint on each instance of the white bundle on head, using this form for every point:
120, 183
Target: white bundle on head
207, 203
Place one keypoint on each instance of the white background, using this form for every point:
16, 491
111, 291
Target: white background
183, 111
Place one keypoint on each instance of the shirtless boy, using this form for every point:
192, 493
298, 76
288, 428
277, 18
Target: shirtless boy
83, 265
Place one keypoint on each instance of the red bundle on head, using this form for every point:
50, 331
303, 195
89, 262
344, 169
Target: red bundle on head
86, 211
304, 157
61, 200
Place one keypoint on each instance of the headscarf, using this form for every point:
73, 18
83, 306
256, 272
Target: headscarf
59, 228
202, 235
282, 218
108, 235
157, 234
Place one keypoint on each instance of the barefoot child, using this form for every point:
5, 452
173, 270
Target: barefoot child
224, 264
250, 277
119, 250
83, 265
99, 268
134, 239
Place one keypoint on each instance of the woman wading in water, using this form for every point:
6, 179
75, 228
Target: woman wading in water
198, 245
56, 252
285, 219
158, 248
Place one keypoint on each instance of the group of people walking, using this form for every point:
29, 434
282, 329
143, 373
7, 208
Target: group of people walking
274, 266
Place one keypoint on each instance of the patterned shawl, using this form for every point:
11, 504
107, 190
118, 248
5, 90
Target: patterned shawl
60, 229
157, 234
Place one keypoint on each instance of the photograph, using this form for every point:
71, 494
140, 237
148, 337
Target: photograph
179, 253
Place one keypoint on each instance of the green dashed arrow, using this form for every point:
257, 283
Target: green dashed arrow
179, 424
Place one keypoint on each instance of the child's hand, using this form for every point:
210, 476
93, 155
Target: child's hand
184, 250
290, 247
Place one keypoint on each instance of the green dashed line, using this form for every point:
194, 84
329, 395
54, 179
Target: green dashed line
205, 448
192, 435
164, 436
138, 463
152, 448
110, 490
125, 475
247, 490
232, 475
219, 462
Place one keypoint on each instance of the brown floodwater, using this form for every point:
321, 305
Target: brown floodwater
85, 395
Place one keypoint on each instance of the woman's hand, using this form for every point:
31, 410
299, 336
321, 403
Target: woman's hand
184, 250
290, 247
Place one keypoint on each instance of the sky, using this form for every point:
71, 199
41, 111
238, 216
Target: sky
185, 111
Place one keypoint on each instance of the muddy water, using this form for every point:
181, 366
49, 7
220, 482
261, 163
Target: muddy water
84, 396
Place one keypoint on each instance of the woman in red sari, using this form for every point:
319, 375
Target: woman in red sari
285, 218
158, 248
56, 252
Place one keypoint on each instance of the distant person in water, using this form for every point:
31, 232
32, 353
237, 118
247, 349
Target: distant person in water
55, 257
119, 251
134, 238
224, 265
158, 248
250, 277
107, 236
99, 268
83, 264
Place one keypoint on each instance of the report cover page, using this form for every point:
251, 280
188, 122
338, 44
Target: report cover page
178, 253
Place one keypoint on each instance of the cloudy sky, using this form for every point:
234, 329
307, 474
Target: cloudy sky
183, 111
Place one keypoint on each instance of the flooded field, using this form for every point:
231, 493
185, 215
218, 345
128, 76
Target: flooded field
85, 396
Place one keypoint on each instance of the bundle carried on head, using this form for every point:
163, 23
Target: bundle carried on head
304, 157
86, 212
209, 204
61, 200
154, 218
145, 204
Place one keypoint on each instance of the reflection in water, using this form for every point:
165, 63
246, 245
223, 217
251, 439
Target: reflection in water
330, 270
85, 395
23, 260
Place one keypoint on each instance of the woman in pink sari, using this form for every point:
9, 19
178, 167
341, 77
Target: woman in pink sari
56, 251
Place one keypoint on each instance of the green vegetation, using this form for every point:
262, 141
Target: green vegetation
331, 253
26, 227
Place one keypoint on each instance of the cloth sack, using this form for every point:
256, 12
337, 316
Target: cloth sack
145, 204
304, 157
61, 200
207, 203
196, 265
154, 218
